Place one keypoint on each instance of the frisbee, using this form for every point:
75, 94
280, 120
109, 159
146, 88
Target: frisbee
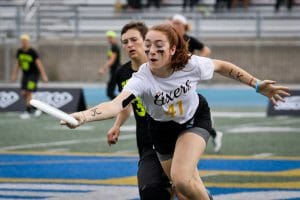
53, 111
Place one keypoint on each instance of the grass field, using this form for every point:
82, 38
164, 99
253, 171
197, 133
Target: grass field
259, 157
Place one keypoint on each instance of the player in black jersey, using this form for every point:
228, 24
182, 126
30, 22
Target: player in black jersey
198, 48
152, 182
29, 62
112, 63
195, 46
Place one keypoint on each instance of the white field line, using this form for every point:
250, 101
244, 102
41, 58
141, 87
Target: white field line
93, 191
266, 195
263, 155
59, 127
128, 128
261, 129
239, 114
61, 143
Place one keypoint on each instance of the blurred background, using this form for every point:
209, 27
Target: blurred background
70, 34
39, 159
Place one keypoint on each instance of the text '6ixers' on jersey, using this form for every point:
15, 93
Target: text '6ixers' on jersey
173, 98
144, 142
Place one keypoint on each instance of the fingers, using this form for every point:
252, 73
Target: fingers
273, 101
278, 97
112, 136
283, 93
269, 81
112, 139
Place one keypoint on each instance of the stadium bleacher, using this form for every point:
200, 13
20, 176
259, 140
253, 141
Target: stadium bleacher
90, 18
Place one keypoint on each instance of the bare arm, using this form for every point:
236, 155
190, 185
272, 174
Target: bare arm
265, 87
15, 71
114, 132
41, 70
123, 116
108, 64
104, 110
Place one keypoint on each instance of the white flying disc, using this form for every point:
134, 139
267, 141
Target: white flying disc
53, 111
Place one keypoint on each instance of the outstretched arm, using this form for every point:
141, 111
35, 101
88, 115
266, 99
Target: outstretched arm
265, 87
104, 110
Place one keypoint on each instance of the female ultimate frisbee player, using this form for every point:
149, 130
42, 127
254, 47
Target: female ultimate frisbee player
153, 183
180, 122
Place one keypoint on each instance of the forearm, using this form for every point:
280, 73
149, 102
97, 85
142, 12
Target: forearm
100, 112
109, 63
122, 117
15, 71
41, 68
234, 72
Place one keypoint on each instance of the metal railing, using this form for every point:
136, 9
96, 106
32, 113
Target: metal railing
43, 21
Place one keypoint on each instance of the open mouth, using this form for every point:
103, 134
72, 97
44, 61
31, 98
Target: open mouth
153, 59
132, 51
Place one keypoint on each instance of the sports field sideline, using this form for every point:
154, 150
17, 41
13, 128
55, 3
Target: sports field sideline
259, 159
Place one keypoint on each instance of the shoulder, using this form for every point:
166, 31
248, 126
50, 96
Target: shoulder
19, 51
144, 69
33, 51
143, 72
198, 60
123, 68
115, 47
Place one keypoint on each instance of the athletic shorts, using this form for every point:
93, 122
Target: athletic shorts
29, 82
150, 173
165, 134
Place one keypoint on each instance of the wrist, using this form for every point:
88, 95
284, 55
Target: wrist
83, 117
257, 84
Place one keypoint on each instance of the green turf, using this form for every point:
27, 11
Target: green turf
92, 137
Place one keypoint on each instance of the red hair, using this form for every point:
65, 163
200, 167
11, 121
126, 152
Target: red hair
182, 54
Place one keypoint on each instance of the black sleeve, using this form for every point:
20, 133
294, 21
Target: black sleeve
114, 49
17, 54
196, 44
35, 54
118, 79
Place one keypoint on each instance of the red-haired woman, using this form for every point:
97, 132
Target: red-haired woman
179, 120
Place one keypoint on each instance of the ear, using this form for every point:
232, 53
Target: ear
173, 50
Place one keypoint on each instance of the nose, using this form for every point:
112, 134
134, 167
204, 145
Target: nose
152, 50
129, 44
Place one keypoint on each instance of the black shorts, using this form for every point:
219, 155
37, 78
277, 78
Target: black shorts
150, 173
29, 82
165, 134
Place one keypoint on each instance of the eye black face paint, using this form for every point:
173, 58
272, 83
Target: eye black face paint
127, 101
160, 51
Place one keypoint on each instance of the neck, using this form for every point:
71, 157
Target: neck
136, 63
25, 48
163, 72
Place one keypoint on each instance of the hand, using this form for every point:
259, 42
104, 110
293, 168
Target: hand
102, 71
13, 78
274, 93
45, 79
79, 116
113, 135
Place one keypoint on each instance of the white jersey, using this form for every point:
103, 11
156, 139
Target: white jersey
175, 97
